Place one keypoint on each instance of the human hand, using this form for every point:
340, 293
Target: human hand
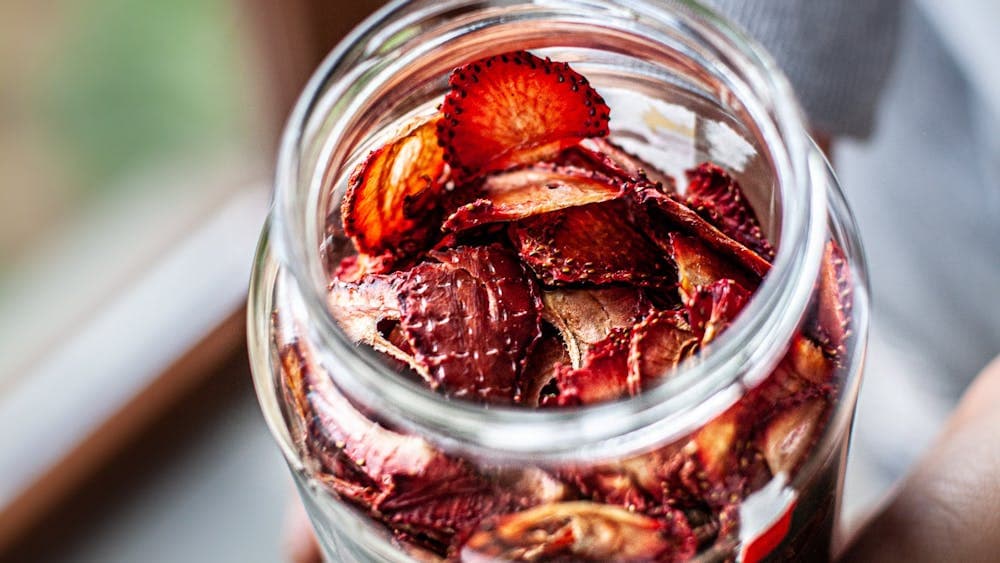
945, 511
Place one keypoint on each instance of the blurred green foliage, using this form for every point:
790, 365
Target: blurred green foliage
142, 81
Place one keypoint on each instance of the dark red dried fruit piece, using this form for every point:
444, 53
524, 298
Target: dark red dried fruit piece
471, 318
595, 244
541, 368
586, 316
522, 193
832, 325
659, 343
580, 531
613, 160
514, 109
662, 206
636, 483
700, 266
397, 478
717, 196
711, 309
393, 196
603, 375
729, 464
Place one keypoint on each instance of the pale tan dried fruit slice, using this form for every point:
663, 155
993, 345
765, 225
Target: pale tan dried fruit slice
700, 266
791, 434
360, 307
659, 343
522, 193
579, 531
541, 368
586, 316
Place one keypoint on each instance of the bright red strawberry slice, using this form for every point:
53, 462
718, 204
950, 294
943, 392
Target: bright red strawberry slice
542, 188
596, 243
392, 197
471, 318
514, 108
717, 196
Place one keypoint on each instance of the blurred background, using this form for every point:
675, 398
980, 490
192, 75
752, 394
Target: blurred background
137, 141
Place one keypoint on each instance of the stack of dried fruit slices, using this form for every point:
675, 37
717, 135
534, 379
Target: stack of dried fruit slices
509, 253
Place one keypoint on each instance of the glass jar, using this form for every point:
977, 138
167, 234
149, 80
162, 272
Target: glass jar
683, 86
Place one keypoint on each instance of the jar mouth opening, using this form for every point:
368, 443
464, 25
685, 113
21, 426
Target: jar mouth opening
701, 387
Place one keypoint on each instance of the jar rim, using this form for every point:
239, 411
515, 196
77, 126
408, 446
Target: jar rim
696, 391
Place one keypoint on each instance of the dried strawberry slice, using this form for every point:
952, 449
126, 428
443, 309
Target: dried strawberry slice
664, 206
383, 456
354, 268
730, 465
513, 109
718, 440
586, 316
471, 319
700, 266
805, 372
392, 197
712, 308
542, 188
399, 479
580, 531
790, 435
834, 302
360, 308
542, 366
603, 376
717, 196
596, 244
659, 343
636, 483
613, 160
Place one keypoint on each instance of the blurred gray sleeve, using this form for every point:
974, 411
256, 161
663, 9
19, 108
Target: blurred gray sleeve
837, 53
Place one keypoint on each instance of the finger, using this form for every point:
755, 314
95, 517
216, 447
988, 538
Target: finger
981, 397
300, 541
947, 509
